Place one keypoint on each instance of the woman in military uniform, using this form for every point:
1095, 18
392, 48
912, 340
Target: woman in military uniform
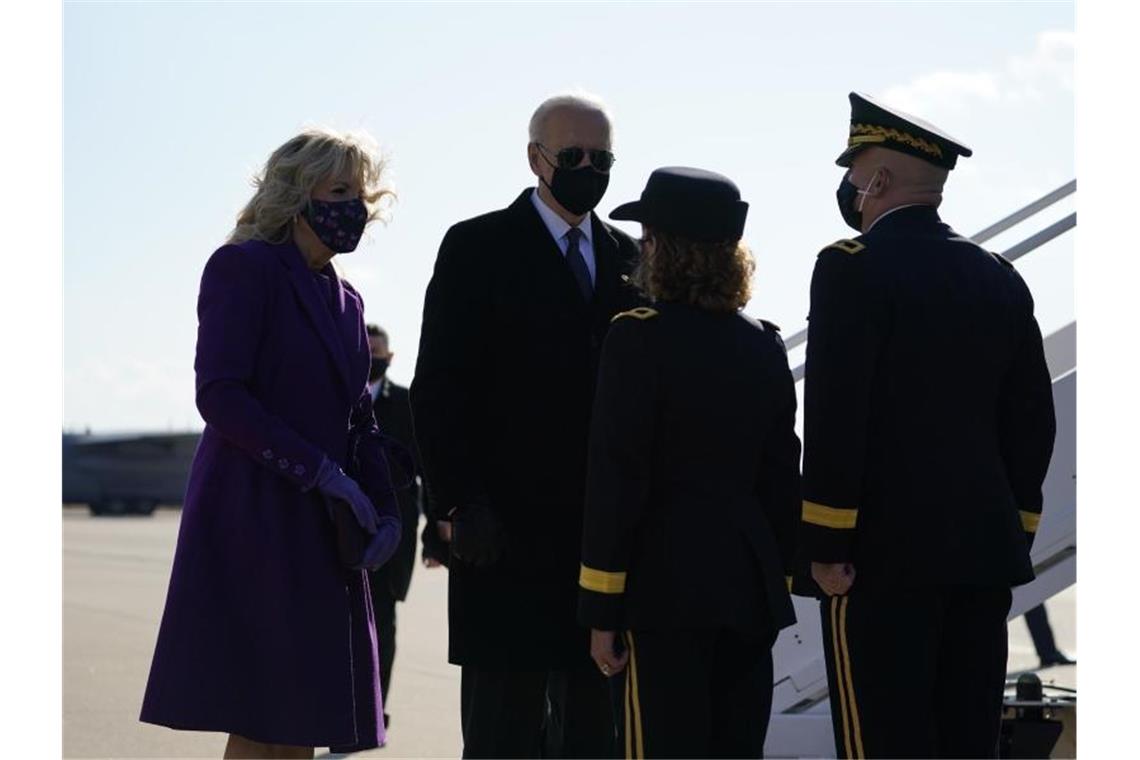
693, 486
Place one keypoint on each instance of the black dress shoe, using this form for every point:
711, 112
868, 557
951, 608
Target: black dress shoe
1056, 658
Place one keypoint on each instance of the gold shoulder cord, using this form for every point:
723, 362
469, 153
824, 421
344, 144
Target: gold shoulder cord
847, 246
641, 312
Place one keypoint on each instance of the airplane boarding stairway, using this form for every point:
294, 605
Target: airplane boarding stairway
801, 721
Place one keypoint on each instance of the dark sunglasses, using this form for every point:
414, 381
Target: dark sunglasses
569, 158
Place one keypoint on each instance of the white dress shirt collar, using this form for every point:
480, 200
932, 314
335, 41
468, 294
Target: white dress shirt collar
557, 225
377, 388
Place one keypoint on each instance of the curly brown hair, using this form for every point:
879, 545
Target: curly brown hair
715, 276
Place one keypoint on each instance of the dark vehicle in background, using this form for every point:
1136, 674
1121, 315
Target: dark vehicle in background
126, 474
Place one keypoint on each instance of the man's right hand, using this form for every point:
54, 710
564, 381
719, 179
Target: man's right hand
476, 535
436, 537
834, 578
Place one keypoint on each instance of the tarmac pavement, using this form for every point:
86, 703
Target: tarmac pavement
115, 575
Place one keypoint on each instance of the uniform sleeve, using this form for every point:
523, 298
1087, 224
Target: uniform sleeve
779, 481
444, 393
617, 483
846, 324
232, 308
1027, 425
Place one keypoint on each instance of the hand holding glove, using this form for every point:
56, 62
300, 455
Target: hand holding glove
383, 545
334, 484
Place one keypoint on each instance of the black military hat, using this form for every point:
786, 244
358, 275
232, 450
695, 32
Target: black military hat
873, 123
693, 203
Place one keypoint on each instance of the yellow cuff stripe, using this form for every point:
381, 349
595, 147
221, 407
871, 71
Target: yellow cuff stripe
601, 581
829, 517
788, 580
1030, 521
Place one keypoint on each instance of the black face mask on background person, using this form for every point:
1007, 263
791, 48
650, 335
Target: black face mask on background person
377, 369
578, 190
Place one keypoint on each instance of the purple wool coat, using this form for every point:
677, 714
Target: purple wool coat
264, 633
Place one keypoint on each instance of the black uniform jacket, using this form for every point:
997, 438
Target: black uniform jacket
394, 416
501, 402
693, 497
928, 409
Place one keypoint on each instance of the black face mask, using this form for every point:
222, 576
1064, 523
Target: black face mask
578, 190
846, 196
377, 370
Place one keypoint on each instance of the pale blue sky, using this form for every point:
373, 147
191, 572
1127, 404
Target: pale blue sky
169, 109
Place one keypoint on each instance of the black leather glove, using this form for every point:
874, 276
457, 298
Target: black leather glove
434, 546
477, 537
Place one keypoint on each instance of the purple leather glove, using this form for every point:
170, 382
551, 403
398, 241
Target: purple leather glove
334, 484
382, 545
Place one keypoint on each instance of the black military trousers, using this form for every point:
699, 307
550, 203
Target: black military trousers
916, 674
696, 693
1037, 620
536, 713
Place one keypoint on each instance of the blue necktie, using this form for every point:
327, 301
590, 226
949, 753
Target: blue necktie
577, 263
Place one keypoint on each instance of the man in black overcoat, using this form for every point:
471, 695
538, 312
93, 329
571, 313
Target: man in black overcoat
514, 318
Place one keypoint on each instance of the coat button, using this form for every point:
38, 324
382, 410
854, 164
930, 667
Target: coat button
267, 454
299, 470
283, 463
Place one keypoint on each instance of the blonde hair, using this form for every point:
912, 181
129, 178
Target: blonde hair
285, 184
715, 276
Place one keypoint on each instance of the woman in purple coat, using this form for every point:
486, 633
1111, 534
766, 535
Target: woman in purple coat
266, 635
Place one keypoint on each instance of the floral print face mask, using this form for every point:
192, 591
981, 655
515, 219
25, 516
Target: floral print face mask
338, 224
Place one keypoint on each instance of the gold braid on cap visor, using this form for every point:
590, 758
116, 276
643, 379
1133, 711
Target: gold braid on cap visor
870, 133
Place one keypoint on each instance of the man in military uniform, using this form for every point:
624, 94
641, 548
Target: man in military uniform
928, 430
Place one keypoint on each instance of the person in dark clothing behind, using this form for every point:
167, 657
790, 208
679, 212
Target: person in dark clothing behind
692, 497
390, 583
514, 319
928, 429
1037, 620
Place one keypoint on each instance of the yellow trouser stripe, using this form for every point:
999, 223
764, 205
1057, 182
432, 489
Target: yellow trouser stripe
1030, 521
601, 581
628, 710
829, 517
850, 683
635, 701
839, 678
